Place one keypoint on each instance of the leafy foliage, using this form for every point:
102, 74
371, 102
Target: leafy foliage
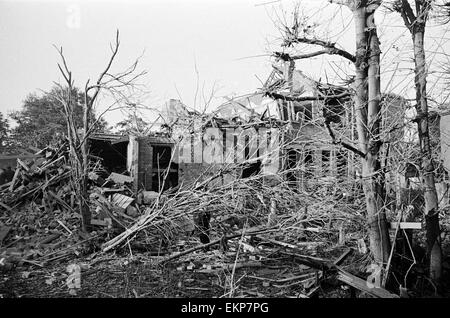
4, 129
132, 125
41, 119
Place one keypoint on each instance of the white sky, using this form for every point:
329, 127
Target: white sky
217, 35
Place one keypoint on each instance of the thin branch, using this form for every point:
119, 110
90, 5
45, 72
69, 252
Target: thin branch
342, 143
293, 98
332, 49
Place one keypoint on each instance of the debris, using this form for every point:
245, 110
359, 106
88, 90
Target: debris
73, 281
25, 274
49, 239
247, 248
273, 213
362, 247
341, 234
132, 211
313, 291
278, 243
121, 201
177, 255
406, 225
362, 285
6, 207
50, 280
343, 256
14, 180
254, 227
64, 226
120, 178
148, 197
22, 164
105, 222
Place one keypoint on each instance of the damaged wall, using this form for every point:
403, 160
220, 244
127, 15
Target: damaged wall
216, 147
144, 158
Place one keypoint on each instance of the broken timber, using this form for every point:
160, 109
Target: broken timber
218, 241
343, 275
407, 225
362, 285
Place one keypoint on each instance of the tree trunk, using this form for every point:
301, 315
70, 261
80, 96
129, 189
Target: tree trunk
367, 105
426, 162
84, 169
360, 98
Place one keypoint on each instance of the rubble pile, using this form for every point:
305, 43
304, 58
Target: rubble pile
256, 226
40, 219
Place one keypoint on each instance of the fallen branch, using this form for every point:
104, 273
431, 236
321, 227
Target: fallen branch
218, 241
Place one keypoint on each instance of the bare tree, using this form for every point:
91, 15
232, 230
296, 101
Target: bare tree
366, 97
119, 85
416, 24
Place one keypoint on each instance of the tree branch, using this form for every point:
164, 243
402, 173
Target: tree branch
330, 47
114, 50
342, 143
407, 13
293, 98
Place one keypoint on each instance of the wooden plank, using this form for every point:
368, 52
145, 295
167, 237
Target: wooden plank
406, 225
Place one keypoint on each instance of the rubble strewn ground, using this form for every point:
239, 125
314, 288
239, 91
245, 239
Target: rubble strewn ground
266, 238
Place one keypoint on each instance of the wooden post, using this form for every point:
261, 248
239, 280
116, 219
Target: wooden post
134, 160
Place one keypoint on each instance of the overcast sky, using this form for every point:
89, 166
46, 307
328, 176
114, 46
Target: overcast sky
175, 35
228, 40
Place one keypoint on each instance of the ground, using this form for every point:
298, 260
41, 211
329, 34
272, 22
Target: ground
114, 275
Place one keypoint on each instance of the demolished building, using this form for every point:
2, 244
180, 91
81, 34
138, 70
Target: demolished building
265, 132
144, 158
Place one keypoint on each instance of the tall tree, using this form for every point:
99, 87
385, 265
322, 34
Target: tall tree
415, 18
367, 97
368, 122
